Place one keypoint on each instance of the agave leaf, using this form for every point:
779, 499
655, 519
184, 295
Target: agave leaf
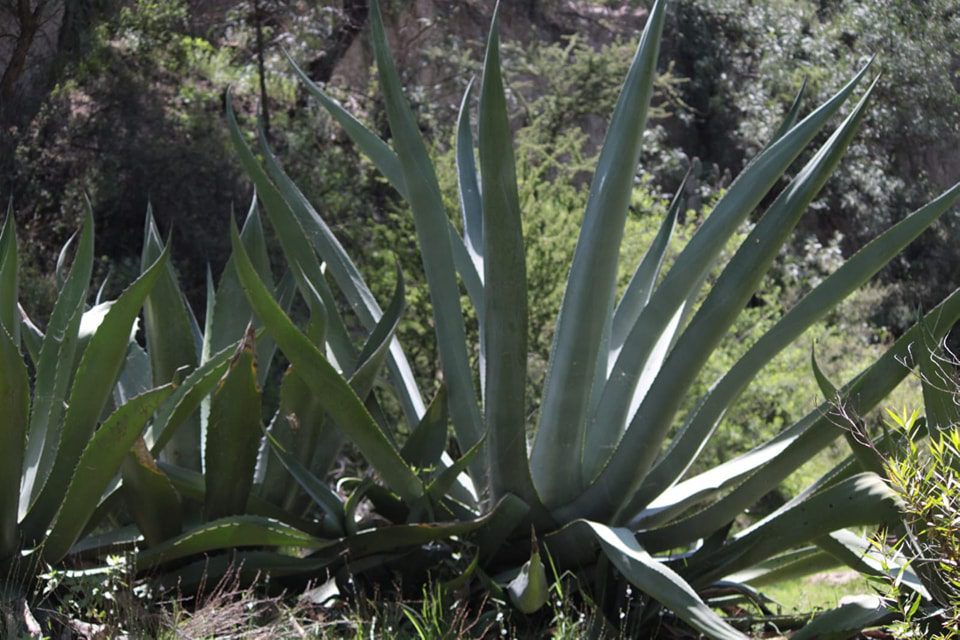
233, 435
241, 567
97, 465
114, 541
679, 286
429, 439
15, 400
321, 494
190, 484
349, 281
835, 288
136, 376
30, 335
150, 496
170, 343
298, 427
374, 352
765, 466
303, 260
471, 204
529, 591
854, 433
373, 542
227, 533
54, 370
505, 291
431, 222
441, 484
226, 328
332, 390
60, 270
187, 398
387, 162
641, 285
860, 554
847, 620
318, 440
793, 114
559, 440
827, 388
736, 284
9, 278
652, 577
789, 565
512, 511
93, 384
860, 500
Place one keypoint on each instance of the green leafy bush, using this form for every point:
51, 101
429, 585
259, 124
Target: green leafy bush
925, 473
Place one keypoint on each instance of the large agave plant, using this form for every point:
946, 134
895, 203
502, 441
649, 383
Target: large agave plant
65, 428
605, 478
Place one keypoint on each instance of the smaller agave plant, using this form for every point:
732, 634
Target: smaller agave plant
604, 484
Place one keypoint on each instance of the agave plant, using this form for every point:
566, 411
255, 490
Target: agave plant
599, 480
65, 431
605, 479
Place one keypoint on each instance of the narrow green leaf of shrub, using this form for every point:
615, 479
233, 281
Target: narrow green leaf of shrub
15, 403
332, 390
93, 384
505, 291
861, 554
149, 496
431, 222
227, 533
55, 368
429, 438
98, 464
559, 441
233, 435
814, 306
